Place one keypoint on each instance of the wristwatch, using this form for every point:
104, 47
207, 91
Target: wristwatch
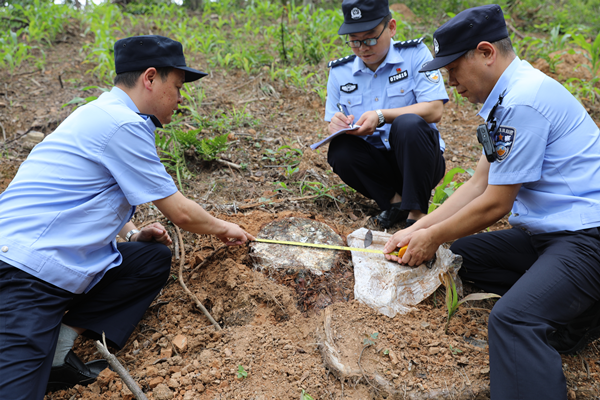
130, 234
381, 118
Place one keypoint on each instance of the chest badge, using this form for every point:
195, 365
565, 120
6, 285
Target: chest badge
401, 75
349, 87
504, 139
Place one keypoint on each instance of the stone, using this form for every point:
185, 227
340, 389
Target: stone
154, 382
162, 392
105, 377
180, 342
434, 350
35, 137
166, 353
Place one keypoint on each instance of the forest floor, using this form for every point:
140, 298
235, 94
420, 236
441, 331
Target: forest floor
274, 328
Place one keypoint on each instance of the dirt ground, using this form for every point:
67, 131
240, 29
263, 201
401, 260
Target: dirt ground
273, 328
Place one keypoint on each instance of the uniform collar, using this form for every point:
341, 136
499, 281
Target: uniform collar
121, 95
499, 88
151, 120
392, 57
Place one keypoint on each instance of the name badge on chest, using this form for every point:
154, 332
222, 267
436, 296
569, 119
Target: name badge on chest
398, 77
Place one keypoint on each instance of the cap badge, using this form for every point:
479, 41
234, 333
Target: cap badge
436, 46
355, 13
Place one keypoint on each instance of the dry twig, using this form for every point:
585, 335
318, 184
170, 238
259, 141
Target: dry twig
363, 372
119, 369
277, 201
198, 303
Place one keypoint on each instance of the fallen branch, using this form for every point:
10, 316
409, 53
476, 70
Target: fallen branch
198, 303
277, 201
119, 369
512, 28
229, 163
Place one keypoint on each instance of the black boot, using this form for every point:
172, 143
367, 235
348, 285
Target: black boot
74, 372
388, 218
574, 336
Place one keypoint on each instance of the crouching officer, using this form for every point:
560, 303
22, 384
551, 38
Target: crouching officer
396, 156
62, 272
540, 163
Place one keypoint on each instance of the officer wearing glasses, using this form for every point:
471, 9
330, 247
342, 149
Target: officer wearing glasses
396, 156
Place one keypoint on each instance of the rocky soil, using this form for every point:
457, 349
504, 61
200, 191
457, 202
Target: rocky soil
271, 345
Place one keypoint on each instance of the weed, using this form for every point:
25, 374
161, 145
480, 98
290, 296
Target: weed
455, 350
592, 52
241, 373
370, 340
210, 148
305, 396
447, 187
452, 302
80, 101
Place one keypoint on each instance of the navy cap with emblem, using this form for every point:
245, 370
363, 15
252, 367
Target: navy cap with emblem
139, 53
362, 15
464, 32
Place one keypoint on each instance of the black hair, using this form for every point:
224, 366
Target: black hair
129, 79
504, 47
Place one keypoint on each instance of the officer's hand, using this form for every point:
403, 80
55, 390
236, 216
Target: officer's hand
234, 235
368, 122
421, 247
153, 233
340, 121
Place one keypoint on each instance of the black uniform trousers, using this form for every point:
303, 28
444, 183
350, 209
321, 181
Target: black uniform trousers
412, 168
32, 310
545, 281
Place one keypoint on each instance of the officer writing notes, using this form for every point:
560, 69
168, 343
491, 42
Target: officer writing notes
396, 156
540, 163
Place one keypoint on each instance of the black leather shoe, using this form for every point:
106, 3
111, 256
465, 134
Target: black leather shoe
575, 336
74, 372
389, 218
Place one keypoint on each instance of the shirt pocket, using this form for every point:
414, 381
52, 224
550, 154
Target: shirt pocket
353, 103
400, 95
519, 209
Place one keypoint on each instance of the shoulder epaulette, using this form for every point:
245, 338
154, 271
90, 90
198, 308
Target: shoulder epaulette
409, 43
341, 61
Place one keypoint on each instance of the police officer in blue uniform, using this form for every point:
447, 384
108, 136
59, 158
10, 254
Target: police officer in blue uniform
61, 214
541, 163
396, 156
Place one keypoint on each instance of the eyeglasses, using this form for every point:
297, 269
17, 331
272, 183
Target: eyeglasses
366, 42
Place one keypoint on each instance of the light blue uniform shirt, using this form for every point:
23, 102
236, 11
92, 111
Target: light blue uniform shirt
550, 145
60, 216
396, 83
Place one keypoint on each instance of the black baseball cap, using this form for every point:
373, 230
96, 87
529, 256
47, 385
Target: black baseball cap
138, 53
464, 32
362, 15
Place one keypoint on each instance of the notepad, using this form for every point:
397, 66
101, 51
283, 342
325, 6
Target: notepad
333, 135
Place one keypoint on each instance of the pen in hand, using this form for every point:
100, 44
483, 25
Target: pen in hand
343, 110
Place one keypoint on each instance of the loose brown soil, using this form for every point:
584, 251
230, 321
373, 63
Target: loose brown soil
274, 327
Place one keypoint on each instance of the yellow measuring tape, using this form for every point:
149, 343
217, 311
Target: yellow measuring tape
327, 246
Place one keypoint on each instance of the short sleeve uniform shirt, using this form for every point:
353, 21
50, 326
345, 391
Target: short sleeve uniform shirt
547, 142
60, 215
